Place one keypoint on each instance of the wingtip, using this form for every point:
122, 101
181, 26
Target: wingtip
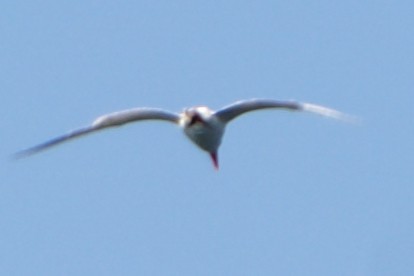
16, 156
329, 112
21, 155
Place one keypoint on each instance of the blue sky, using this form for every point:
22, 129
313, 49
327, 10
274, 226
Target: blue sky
296, 194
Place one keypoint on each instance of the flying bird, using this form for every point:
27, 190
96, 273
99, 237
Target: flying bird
203, 126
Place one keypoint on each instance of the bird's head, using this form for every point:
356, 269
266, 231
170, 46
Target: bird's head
195, 116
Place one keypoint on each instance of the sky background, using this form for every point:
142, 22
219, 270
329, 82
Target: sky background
296, 194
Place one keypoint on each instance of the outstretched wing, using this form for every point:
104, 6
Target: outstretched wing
230, 112
105, 121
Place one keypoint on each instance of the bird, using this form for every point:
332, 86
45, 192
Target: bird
202, 125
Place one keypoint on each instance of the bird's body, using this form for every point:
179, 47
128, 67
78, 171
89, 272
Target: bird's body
200, 124
203, 127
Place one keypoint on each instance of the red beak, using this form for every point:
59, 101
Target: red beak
215, 159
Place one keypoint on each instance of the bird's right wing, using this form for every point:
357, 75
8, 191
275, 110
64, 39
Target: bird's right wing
236, 109
105, 121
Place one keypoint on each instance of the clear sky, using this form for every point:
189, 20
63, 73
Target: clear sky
296, 194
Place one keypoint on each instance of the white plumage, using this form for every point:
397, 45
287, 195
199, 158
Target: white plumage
201, 125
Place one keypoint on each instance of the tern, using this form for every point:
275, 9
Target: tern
203, 126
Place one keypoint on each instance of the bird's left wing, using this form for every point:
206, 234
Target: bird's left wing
236, 109
102, 122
